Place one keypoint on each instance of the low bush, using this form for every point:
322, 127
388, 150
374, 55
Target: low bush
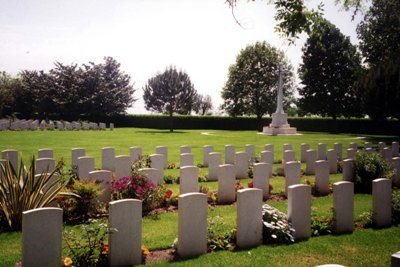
367, 167
139, 187
22, 190
86, 245
83, 204
321, 226
218, 237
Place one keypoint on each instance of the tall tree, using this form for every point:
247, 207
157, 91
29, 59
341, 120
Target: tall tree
331, 65
379, 32
8, 85
379, 36
169, 92
203, 104
251, 88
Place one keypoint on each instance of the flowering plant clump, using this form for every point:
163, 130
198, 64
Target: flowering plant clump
139, 187
86, 245
276, 228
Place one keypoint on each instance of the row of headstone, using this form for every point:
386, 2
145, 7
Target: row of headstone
24, 125
126, 216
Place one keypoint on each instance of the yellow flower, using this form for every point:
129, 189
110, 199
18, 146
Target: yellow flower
145, 251
67, 262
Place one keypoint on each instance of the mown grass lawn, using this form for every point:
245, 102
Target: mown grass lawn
365, 247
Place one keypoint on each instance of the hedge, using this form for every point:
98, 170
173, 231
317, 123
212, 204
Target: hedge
352, 126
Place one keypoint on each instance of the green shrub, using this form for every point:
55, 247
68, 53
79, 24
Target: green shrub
276, 228
83, 204
321, 226
396, 206
367, 167
86, 244
23, 191
219, 237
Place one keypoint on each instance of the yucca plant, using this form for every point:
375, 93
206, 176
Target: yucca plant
23, 191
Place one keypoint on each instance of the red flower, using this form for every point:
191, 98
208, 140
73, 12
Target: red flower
168, 194
250, 185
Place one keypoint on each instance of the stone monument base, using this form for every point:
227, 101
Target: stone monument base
279, 126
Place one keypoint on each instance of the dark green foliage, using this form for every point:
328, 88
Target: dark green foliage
321, 226
380, 90
70, 92
331, 65
368, 167
252, 83
396, 206
379, 32
170, 92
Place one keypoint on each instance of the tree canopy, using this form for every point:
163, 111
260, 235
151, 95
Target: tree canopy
379, 36
69, 91
251, 88
170, 92
331, 65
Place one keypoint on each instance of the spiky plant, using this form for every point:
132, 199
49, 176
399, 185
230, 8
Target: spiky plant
23, 191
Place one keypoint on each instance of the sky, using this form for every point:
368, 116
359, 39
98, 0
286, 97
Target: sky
200, 37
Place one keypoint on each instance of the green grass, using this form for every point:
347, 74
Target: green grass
362, 248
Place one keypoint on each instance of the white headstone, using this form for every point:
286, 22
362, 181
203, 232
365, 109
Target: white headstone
75, 154
186, 159
367, 145
44, 165
348, 170
108, 158
311, 158
387, 154
125, 243
154, 175
12, 156
321, 151
230, 154
249, 218
351, 153
267, 157
261, 174
192, 224
104, 178
332, 160
322, 177
157, 162
226, 184
304, 148
251, 152
41, 237
85, 165
287, 147
123, 166
111, 126
185, 149
382, 202
135, 152
289, 155
395, 259
214, 160
395, 149
292, 174
339, 150
269, 147
189, 180
163, 150
45, 153
343, 205
206, 150
299, 210
353, 146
